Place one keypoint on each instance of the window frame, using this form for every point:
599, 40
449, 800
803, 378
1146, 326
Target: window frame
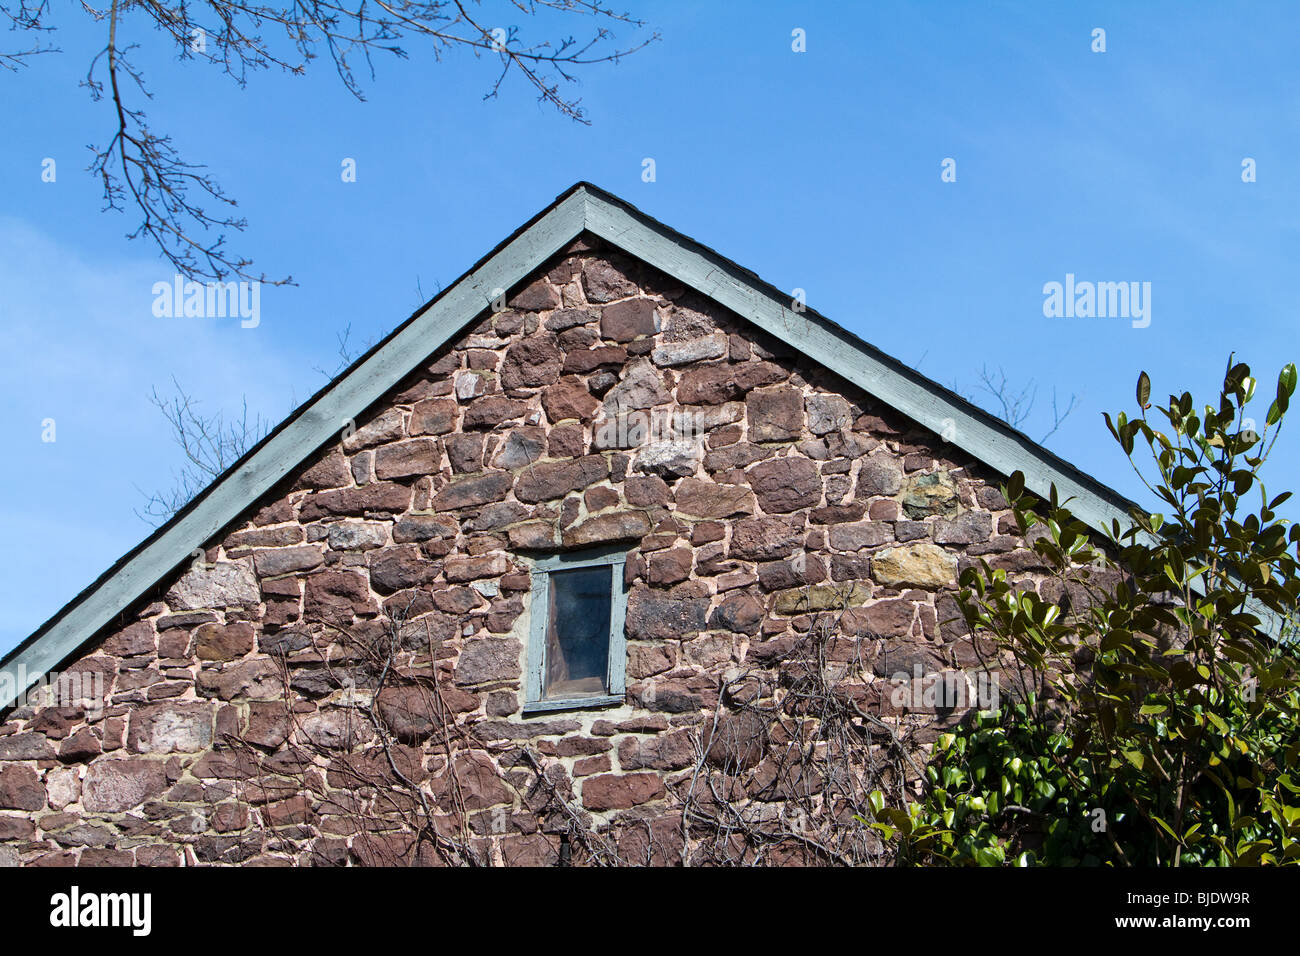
541, 569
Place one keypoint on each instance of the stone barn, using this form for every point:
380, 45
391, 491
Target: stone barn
611, 554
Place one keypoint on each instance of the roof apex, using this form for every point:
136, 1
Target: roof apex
582, 207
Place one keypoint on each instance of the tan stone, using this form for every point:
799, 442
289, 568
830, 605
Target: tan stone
920, 565
821, 597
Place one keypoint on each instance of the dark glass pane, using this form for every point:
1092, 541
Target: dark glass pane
577, 632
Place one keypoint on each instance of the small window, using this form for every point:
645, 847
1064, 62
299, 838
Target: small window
576, 648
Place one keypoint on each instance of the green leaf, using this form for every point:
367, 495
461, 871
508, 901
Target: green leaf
1015, 485
1144, 390
1286, 380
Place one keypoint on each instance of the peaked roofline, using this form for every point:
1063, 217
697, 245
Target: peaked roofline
582, 207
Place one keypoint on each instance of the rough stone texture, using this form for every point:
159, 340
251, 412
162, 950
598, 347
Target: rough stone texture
237, 727
922, 565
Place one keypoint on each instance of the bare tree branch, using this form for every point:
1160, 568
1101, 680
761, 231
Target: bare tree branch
183, 211
210, 443
1011, 405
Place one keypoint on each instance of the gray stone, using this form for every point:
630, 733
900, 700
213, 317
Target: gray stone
692, 350
224, 584
670, 459
641, 387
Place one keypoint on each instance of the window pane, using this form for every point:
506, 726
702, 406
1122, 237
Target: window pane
577, 632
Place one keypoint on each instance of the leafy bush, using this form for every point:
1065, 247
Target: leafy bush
1157, 720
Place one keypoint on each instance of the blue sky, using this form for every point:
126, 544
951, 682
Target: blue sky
819, 170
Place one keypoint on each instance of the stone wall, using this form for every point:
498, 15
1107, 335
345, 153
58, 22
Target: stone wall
784, 563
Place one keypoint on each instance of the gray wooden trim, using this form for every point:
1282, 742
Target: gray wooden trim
575, 703
539, 598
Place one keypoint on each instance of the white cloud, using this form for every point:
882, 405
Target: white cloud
82, 346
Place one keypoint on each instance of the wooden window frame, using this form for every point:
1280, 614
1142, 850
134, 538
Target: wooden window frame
538, 607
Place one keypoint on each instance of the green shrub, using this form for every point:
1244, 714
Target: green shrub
1158, 719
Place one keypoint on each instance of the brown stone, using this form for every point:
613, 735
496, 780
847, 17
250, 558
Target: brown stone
739, 612
28, 746
20, 789
799, 570
764, 538
671, 751
464, 451
132, 640
490, 412
472, 492
641, 386
968, 528
437, 416
569, 320
223, 642
474, 783
616, 526
786, 484
531, 362
628, 320
331, 471
670, 567
113, 786
522, 446
582, 361
268, 724
646, 491
462, 569
621, 791
654, 616
487, 659
774, 414
548, 480
386, 426
401, 567
604, 281
335, 596
419, 456
534, 535
828, 413
249, 680
646, 660
707, 499
855, 537
878, 476
413, 713
567, 399
379, 496
713, 385
535, 297
737, 741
